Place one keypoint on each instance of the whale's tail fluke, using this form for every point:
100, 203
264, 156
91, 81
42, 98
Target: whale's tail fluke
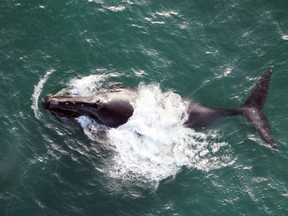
252, 109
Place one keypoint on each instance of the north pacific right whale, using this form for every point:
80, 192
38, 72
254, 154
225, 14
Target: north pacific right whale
114, 106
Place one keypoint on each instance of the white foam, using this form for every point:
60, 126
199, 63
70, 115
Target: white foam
154, 144
37, 91
116, 8
92, 129
228, 70
86, 85
285, 37
167, 13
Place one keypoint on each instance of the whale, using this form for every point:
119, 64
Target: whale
114, 105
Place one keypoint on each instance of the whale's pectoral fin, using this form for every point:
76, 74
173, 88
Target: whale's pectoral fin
252, 109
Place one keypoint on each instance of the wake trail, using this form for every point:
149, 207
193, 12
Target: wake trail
37, 91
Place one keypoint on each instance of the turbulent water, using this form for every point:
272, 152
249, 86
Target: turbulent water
153, 145
152, 165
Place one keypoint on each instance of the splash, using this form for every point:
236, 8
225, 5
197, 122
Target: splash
154, 145
88, 85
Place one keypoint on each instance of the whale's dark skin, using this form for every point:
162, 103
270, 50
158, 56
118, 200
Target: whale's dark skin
114, 106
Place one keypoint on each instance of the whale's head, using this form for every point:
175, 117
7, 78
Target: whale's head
112, 113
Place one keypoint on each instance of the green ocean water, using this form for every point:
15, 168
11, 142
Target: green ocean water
211, 51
